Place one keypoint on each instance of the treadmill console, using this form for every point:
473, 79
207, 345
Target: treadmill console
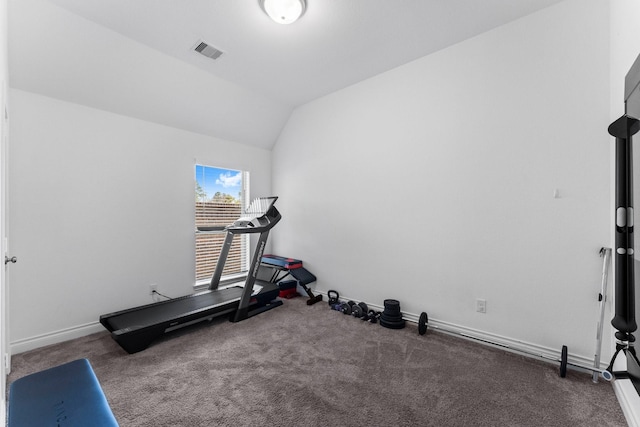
254, 215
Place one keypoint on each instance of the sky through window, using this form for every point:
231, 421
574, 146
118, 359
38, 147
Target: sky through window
214, 180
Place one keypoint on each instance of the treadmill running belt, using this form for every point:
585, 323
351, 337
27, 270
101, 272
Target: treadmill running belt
174, 309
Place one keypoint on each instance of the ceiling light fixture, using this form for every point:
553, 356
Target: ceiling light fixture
284, 11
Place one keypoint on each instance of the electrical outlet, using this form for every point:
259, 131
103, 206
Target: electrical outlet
153, 288
481, 305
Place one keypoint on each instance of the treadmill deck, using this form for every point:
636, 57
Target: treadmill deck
172, 310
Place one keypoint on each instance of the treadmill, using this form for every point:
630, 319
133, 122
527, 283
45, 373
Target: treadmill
136, 328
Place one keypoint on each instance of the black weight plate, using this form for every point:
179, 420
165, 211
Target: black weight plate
388, 318
394, 325
356, 311
364, 307
563, 362
392, 322
391, 303
346, 308
422, 323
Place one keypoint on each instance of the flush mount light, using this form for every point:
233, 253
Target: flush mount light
284, 11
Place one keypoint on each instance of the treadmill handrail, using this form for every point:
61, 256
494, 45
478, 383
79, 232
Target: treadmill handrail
265, 223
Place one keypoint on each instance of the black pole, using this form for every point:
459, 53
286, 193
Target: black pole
624, 320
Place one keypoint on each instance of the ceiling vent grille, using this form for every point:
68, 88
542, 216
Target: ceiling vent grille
207, 50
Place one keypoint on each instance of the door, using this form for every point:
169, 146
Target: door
4, 136
5, 364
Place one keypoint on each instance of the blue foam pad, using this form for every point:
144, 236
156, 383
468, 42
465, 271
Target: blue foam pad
68, 395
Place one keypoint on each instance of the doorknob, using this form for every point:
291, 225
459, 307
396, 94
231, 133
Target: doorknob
8, 260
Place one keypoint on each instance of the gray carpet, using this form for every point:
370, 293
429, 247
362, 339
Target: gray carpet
300, 365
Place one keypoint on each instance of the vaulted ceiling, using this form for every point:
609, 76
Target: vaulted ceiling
137, 57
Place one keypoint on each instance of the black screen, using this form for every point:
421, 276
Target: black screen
632, 90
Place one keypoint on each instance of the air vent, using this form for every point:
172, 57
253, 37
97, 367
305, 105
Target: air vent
207, 50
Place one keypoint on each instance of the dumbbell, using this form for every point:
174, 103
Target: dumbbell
337, 306
359, 310
373, 316
347, 307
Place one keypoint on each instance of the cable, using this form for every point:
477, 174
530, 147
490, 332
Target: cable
156, 292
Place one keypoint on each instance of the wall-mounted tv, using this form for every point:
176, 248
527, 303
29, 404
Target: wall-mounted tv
632, 90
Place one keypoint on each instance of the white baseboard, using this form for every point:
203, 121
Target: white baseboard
506, 343
31, 343
629, 401
626, 393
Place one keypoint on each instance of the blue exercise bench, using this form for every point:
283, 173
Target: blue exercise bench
68, 395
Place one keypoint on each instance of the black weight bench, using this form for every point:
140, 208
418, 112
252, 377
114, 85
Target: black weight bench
283, 267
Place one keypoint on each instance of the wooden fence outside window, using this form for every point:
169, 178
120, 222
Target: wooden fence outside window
208, 246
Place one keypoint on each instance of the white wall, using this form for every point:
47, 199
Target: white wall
102, 206
433, 183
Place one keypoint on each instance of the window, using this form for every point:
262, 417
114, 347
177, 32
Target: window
221, 197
